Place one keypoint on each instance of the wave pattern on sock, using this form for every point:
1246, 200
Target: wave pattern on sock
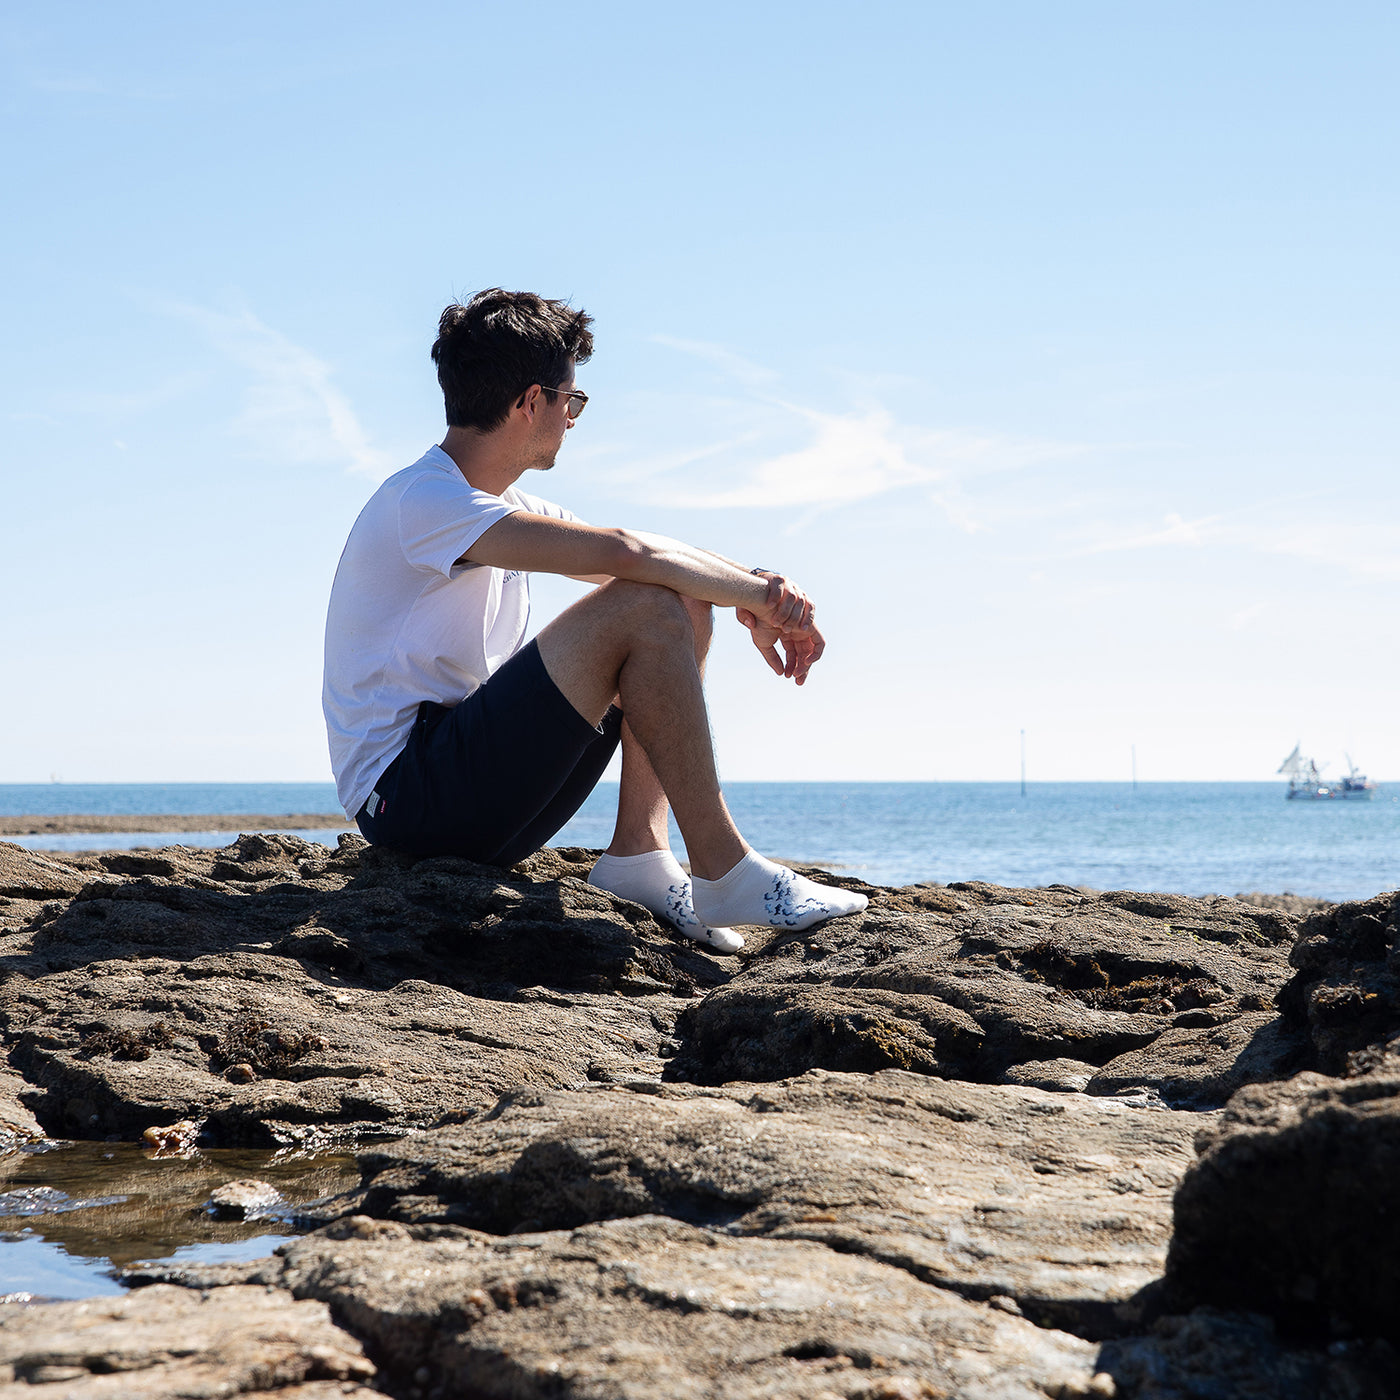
757, 891
655, 880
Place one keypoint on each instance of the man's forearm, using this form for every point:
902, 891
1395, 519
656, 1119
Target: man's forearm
690, 571
537, 543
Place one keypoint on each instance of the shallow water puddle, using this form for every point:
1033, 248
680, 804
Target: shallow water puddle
71, 1211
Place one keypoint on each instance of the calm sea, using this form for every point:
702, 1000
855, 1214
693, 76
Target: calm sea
1192, 838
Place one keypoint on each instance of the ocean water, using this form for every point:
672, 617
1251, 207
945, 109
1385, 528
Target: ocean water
1190, 838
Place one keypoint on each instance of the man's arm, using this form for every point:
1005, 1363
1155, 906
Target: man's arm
773, 608
605, 578
541, 544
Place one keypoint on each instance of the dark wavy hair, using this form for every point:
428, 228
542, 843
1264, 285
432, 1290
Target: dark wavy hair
492, 349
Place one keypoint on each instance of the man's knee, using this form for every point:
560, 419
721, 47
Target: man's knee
653, 607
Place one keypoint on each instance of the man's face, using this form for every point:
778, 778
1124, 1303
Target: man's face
552, 421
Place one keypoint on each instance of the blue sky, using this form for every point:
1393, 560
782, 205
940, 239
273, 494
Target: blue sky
1052, 348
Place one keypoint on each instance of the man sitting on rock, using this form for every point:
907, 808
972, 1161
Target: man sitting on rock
447, 736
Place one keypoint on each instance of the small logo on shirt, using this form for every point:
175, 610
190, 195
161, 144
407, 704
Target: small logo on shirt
512, 573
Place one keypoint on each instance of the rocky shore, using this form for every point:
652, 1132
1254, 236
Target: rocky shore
106, 823
975, 1142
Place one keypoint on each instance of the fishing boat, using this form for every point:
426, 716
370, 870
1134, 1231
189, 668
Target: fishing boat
1305, 780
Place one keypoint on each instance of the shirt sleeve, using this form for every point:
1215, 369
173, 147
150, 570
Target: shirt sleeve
537, 505
439, 520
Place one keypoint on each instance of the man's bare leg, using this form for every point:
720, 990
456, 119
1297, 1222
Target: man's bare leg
639, 863
636, 642
642, 809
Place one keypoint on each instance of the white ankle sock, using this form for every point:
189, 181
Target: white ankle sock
756, 891
655, 880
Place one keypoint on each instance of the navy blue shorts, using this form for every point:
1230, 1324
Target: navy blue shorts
493, 778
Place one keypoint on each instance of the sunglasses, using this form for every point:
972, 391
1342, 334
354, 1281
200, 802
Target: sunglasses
578, 400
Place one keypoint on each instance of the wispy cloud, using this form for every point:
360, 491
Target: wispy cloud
291, 406
1175, 531
847, 458
112, 404
732, 365
770, 452
1371, 551
1242, 618
1305, 527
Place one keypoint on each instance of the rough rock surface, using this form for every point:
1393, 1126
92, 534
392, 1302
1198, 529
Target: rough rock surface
1290, 903
924, 1151
971, 981
1345, 993
245, 1199
647, 1307
1293, 1209
17, 1121
163, 1342
278, 993
35, 824
1213, 1355
1060, 1203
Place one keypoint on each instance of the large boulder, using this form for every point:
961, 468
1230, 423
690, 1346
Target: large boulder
1345, 993
1209, 1354
1293, 1208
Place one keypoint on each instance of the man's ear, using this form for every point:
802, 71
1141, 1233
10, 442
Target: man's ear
529, 401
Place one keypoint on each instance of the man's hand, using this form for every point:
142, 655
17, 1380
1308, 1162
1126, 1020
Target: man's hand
787, 618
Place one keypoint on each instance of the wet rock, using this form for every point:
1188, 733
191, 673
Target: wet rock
649, 1307
17, 1122
1293, 1208
174, 1139
973, 980
1345, 993
244, 1200
1062, 1203
116, 1201
163, 1341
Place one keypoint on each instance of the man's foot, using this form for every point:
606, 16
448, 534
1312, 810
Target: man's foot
655, 880
756, 891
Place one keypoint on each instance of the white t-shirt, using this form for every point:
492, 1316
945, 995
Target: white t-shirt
406, 623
